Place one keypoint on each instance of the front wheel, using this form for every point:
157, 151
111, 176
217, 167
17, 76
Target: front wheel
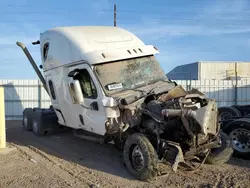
140, 157
222, 154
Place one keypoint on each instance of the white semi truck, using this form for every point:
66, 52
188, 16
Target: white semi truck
107, 85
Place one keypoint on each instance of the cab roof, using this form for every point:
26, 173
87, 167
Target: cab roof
95, 44
95, 38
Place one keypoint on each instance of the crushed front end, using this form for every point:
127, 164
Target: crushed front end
182, 126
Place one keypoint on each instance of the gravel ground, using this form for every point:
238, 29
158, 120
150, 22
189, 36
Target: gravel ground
63, 160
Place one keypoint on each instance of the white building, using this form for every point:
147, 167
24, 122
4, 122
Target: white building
212, 70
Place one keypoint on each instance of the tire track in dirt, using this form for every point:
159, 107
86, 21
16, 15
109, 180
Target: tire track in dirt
72, 169
52, 165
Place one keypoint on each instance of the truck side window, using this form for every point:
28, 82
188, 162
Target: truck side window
45, 51
87, 84
52, 91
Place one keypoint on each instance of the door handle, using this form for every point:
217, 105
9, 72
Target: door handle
81, 119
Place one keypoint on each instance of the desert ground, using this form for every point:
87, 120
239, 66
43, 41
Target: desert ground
62, 160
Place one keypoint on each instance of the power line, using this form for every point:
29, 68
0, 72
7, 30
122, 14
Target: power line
236, 25
169, 18
160, 20
243, 14
174, 17
54, 12
111, 10
184, 19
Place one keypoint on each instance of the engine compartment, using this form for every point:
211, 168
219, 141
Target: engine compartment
176, 121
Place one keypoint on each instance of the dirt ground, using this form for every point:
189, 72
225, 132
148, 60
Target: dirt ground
63, 160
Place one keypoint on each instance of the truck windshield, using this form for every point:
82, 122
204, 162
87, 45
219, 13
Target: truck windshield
129, 73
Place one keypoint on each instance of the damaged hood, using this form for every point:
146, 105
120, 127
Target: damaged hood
129, 96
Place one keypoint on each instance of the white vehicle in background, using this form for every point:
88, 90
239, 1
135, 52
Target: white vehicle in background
107, 85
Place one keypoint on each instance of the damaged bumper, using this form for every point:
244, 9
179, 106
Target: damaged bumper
181, 157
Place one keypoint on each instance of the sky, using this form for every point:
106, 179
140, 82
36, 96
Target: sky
183, 31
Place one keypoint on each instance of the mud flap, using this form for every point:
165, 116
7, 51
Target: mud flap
179, 158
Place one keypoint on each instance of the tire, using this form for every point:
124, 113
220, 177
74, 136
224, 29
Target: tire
138, 145
27, 119
36, 109
228, 112
37, 124
222, 154
247, 116
239, 133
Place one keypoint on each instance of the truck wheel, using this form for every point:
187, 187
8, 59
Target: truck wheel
228, 112
239, 133
27, 119
37, 124
36, 108
222, 154
140, 157
247, 116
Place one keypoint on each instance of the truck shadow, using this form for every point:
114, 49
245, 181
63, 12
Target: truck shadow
65, 145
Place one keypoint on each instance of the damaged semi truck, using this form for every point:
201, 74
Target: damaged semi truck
106, 84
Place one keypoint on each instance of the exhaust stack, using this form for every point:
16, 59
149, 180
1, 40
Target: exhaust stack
32, 62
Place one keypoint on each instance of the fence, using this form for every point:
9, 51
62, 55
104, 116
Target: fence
20, 94
226, 92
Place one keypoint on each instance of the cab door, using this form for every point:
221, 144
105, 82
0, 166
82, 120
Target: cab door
90, 115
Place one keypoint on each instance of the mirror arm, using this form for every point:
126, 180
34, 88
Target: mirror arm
89, 108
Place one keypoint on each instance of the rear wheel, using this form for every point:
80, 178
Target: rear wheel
37, 124
27, 119
228, 112
140, 157
222, 154
247, 116
239, 133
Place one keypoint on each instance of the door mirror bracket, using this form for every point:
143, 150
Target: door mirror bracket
94, 106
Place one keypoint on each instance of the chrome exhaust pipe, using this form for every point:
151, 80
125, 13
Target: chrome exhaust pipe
33, 64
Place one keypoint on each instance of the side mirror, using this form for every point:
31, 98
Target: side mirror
76, 92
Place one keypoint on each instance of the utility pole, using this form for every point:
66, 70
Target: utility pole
114, 15
236, 83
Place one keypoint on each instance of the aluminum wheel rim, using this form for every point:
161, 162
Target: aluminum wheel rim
225, 115
25, 121
241, 140
137, 159
35, 127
